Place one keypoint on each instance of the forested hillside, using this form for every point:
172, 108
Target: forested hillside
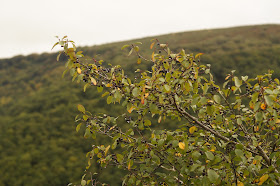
39, 144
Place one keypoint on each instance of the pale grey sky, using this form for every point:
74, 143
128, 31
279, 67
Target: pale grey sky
29, 26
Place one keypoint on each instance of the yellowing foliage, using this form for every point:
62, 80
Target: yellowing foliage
79, 70
182, 145
192, 129
263, 179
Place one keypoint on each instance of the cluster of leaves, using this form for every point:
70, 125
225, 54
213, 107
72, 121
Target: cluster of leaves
39, 145
229, 134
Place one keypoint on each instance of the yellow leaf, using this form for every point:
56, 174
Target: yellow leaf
108, 85
178, 154
70, 50
263, 106
182, 145
192, 129
79, 70
278, 121
263, 179
142, 100
199, 54
112, 128
130, 163
128, 166
159, 119
131, 109
152, 45
93, 81
146, 95
139, 61
71, 53
240, 184
227, 77
153, 56
196, 75
106, 150
256, 128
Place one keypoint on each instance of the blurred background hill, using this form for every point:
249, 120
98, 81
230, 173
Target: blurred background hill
39, 144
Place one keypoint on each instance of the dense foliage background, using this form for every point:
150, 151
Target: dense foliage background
39, 145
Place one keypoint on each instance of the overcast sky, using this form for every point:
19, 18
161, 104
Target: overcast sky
29, 26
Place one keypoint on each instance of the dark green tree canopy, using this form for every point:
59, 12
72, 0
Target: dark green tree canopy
228, 134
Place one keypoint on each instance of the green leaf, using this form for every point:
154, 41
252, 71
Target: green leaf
255, 97
237, 82
168, 77
136, 92
205, 88
259, 116
196, 155
167, 88
130, 52
166, 65
87, 133
93, 135
239, 152
212, 175
194, 166
161, 142
95, 150
153, 108
217, 99
109, 99
209, 155
63, 74
239, 121
210, 110
85, 87
136, 48
81, 108
257, 106
85, 117
268, 91
119, 158
244, 78
118, 96
124, 46
78, 127
147, 123
83, 182
114, 145
99, 88
55, 44
268, 100
58, 56
161, 79
203, 100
